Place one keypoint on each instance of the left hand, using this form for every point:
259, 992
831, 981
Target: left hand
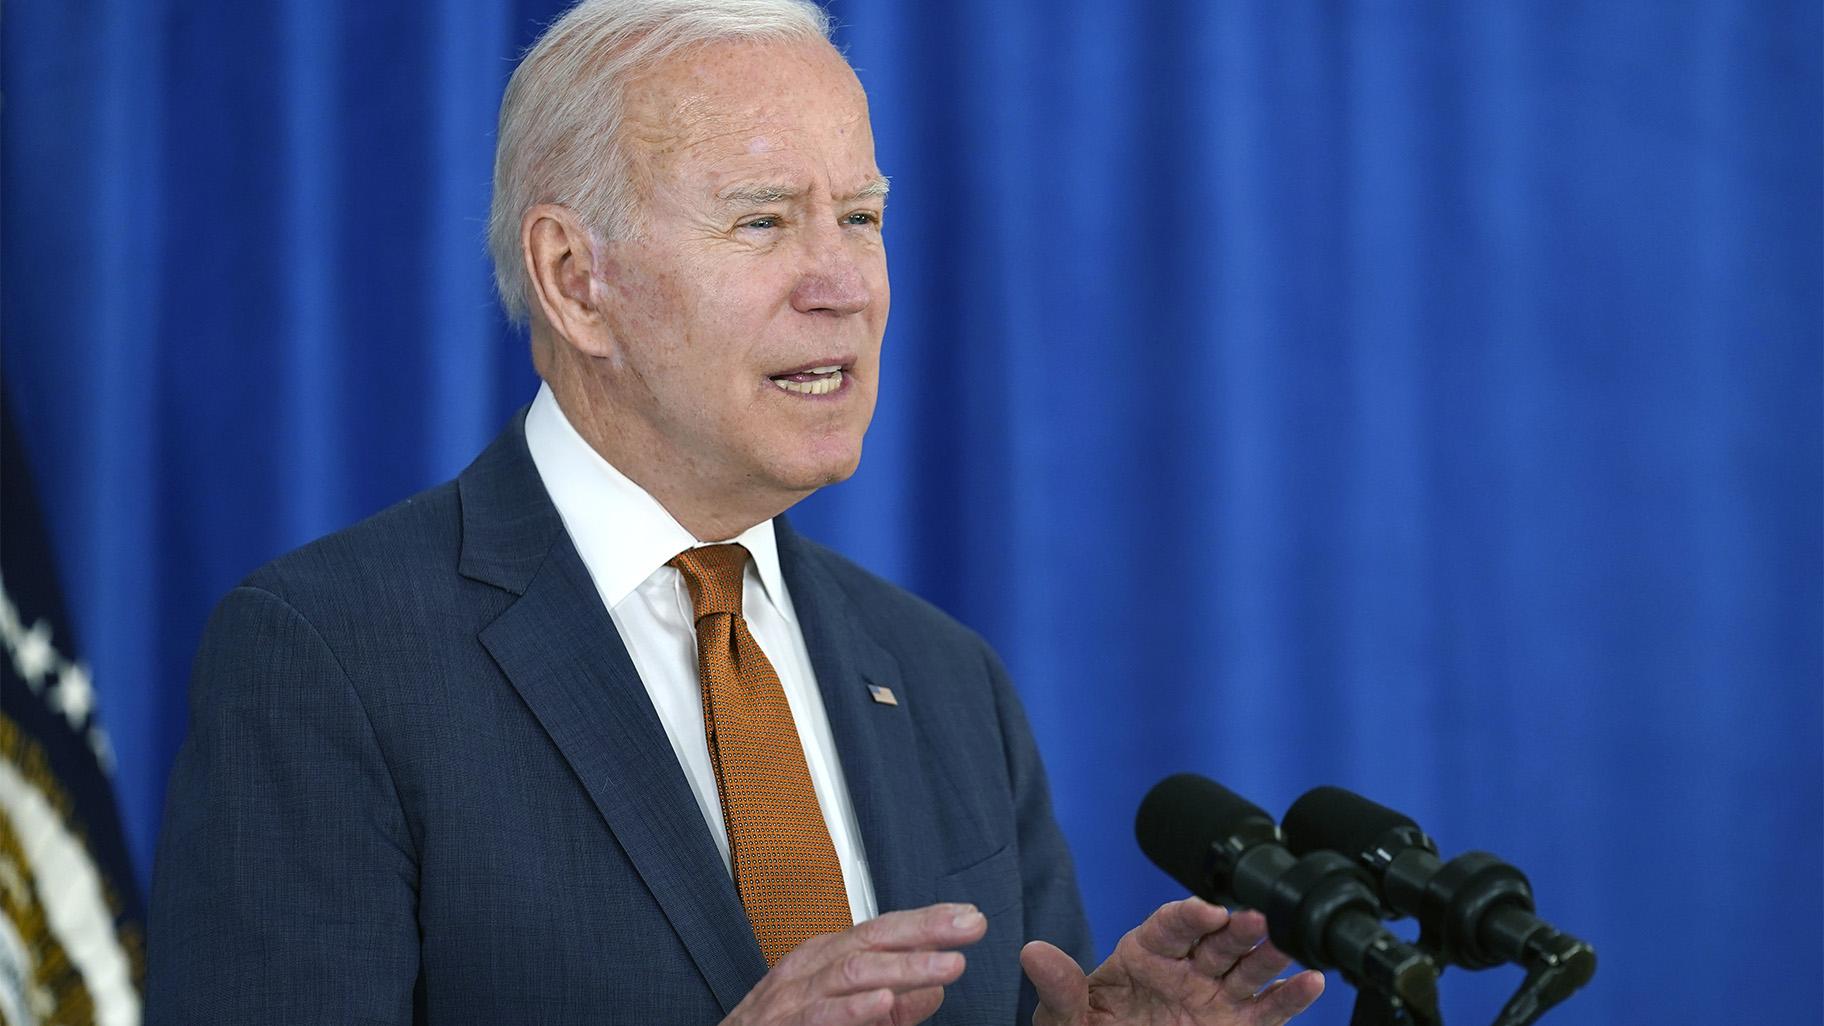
1190, 964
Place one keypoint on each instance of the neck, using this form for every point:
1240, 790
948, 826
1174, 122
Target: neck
695, 500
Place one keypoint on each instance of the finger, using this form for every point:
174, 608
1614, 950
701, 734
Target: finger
851, 1009
1287, 998
1218, 952
1174, 930
1255, 970
915, 1006
919, 929
859, 971
1062, 988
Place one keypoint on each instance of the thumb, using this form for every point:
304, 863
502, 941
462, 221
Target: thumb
1063, 989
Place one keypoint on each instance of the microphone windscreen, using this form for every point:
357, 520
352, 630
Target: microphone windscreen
1182, 816
1330, 818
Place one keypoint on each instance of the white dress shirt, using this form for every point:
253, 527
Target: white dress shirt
625, 539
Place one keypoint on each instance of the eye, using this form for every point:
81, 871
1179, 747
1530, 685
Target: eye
763, 223
862, 217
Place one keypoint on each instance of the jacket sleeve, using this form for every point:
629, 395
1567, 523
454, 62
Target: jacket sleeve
1054, 906
286, 875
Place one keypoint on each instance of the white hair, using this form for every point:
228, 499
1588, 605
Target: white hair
559, 138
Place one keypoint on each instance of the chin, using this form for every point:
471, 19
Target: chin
828, 469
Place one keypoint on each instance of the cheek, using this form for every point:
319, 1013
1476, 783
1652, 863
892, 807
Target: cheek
652, 323
737, 320
723, 332
679, 336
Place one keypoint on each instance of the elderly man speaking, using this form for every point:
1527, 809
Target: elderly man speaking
589, 734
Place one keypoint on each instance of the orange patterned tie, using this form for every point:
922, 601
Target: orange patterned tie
785, 867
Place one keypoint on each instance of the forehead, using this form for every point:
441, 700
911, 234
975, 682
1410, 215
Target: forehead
734, 107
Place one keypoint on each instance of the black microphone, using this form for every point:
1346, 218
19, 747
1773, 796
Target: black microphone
1474, 911
1320, 909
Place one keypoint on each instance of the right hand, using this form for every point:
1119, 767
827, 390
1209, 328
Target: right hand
892, 969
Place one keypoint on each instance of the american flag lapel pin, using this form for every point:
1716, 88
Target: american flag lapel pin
882, 695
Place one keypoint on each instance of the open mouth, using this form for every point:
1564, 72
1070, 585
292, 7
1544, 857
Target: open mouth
811, 380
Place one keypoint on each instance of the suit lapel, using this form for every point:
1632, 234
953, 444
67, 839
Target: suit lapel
560, 650
880, 759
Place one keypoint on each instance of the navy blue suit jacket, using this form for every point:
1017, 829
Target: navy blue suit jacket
423, 782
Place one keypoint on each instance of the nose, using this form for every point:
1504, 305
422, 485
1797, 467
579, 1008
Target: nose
833, 281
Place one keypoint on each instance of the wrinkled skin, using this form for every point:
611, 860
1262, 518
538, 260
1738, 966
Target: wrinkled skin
758, 252
1190, 963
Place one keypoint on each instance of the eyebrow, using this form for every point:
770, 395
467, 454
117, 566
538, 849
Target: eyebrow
875, 189
762, 194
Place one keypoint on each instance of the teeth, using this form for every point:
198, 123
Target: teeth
822, 386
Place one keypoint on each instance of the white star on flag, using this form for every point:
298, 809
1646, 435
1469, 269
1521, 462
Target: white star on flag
34, 656
74, 695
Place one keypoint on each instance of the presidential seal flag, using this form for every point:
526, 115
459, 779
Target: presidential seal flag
71, 922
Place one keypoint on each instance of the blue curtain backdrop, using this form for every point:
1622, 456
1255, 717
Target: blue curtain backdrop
1423, 398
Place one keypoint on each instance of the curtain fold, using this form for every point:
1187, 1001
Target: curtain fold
1418, 398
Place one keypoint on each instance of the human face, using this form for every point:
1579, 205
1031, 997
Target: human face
746, 313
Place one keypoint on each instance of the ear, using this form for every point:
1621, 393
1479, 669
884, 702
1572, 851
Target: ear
560, 255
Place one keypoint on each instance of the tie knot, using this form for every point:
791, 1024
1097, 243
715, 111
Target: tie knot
713, 573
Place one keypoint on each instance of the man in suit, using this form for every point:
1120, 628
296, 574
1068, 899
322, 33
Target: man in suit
590, 733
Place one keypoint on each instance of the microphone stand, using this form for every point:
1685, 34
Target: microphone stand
1373, 1008
1556, 965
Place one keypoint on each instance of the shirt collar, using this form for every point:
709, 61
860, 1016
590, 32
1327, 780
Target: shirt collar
621, 532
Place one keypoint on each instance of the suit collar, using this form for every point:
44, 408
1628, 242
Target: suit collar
558, 647
508, 522
561, 651
876, 742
